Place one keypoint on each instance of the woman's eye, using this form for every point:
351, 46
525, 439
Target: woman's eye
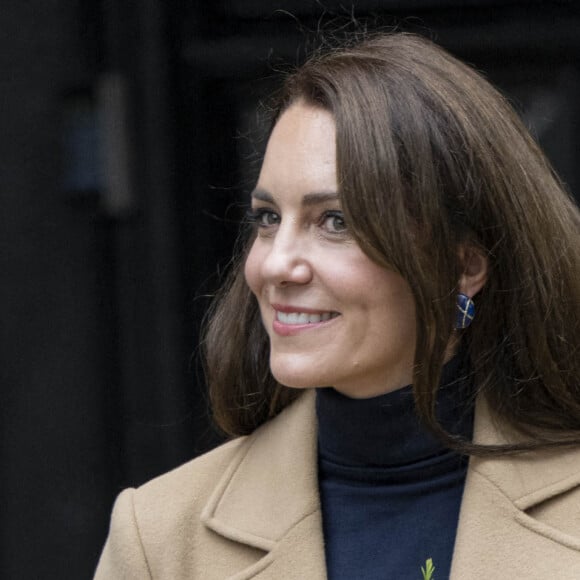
263, 217
333, 222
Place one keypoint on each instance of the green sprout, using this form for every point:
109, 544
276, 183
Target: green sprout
428, 569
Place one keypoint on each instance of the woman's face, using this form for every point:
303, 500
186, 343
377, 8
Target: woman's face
334, 317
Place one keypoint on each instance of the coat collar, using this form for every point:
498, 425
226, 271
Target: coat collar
505, 530
528, 478
268, 497
272, 484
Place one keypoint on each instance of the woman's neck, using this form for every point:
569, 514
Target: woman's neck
385, 430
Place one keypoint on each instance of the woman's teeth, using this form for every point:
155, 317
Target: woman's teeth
302, 317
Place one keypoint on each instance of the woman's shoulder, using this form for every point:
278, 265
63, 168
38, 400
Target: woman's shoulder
165, 511
194, 482
198, 469
186, 488
176, 525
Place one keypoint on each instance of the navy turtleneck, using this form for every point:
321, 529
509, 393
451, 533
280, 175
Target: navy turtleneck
390, 491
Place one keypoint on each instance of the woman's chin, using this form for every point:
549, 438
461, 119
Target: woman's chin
295, 380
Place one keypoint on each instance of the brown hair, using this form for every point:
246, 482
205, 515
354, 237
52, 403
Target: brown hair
430, 156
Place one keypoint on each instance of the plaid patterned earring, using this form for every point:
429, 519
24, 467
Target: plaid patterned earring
465, 311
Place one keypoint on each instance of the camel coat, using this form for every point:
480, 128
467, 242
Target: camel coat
250, 509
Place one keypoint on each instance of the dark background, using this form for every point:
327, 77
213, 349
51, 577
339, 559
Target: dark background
129, 134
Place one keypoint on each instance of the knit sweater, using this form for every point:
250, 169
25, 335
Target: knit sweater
390, 491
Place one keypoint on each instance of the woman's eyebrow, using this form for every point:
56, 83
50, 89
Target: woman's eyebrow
321, 197
262, 195
313, 198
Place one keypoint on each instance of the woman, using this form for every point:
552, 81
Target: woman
406, 230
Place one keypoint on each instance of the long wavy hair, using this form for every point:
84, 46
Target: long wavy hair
429, 157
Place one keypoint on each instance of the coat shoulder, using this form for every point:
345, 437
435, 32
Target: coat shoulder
156, 530
196, 480
185, 489
176, 525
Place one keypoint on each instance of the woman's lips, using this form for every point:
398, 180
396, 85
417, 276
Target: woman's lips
289, 321
303, 317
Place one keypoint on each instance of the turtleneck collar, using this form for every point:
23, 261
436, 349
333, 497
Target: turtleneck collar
385, 430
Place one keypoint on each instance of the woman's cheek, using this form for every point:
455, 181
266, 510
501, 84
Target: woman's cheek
252, 269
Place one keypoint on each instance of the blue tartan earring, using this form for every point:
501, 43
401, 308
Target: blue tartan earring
465, 311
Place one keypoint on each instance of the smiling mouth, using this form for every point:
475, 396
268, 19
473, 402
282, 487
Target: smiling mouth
303, 317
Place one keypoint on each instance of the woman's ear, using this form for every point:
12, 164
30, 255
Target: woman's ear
474, 266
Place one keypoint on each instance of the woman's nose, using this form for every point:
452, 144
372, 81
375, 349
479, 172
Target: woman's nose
288, 260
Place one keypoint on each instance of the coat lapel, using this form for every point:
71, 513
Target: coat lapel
499, 534
268, 498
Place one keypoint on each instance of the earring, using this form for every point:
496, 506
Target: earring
465, 311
